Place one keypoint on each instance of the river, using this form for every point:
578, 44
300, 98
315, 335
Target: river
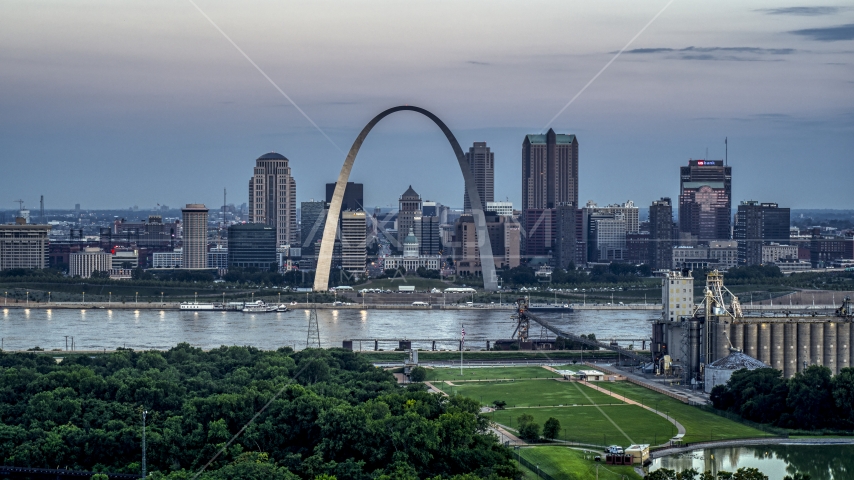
98, 329
821, 462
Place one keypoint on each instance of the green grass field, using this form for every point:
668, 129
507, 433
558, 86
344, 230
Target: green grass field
489, 373
587, 424
569, 464
519, 393
699, 425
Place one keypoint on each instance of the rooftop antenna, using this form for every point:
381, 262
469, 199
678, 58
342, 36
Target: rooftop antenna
726, 152
41, 212
707, 152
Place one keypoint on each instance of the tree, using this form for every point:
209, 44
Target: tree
530, 431
551, 429
418, 374
499, 404
810, 400
842, 387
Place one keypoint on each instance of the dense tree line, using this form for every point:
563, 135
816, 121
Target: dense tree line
743, 473
613, 273
330, 413
812, 399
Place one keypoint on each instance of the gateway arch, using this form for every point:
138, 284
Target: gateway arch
324, 261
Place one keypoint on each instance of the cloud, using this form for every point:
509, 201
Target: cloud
828, 34
474, 62
736, 54
802, 11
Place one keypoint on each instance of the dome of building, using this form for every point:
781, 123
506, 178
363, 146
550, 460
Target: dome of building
720, 371
272, 156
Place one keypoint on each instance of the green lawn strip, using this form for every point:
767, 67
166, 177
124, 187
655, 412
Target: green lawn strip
420, 284
528, 393
569, 464
489, 373
586, 424
699, 425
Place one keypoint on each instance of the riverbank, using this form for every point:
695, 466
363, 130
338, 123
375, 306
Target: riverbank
298, 306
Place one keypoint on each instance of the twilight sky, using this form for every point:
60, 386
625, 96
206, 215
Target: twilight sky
114, 104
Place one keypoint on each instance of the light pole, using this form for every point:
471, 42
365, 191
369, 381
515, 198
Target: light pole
28, 299
136, 297
48, 297
5, 298
110, 301
196, 297
144, 413
161, 299
84, 297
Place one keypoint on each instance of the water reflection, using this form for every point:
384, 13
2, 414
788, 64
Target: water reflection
163, 329
821, 462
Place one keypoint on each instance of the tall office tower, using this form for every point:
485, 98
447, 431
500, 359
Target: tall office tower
482, 165
273, 197
606, 236
504, 235
252, 245
549, 170
540, 231
549, 179
428, 235
195, 236
568, 242
353, 196
758, 224
312, 224
628, 210
353, 241
661, 234
705, 200
409, 208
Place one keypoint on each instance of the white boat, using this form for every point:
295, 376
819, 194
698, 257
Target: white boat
282, 308
196, 306
259, 307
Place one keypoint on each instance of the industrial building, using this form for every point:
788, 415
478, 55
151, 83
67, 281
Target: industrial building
717, 327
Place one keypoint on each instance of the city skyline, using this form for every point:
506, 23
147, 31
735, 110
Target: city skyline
772, 78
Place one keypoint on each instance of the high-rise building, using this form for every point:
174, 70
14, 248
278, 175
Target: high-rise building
499, 208
705, 200
482, 165
409, 208
195, 236
24, 246
568, 243
428, 234
312, 223
252, 245
353, 241
549, 179
758, 224
677, 294
661, 234
549, 170
353, 196
273, 197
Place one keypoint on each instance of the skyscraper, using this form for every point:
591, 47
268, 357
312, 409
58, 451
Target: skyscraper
273, 197
353, 241
661, 234
549, 170
482, 165
705, 200
312, 224
758, 224
353, 196
409, 208
568, 241
549, 179
195, 236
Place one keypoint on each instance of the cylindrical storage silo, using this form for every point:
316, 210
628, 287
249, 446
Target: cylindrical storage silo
790, 349
777, 345
843, 336
736, 330
721, 341
829, 359
804, 346
751, 340
694, 346
816, 343
764, 343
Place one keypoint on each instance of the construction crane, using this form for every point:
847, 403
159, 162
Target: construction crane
20, 204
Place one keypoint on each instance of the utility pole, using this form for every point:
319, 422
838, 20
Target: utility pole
144, 413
